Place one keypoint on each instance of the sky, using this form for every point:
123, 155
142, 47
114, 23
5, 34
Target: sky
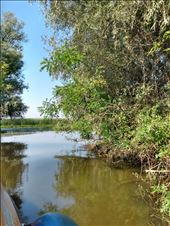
40, 83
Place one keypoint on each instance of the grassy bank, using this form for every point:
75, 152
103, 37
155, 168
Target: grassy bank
58, 124
27, 122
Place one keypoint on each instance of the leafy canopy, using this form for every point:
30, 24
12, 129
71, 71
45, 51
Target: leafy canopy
12, 79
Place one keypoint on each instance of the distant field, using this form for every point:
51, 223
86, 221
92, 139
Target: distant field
55, 124
6, 123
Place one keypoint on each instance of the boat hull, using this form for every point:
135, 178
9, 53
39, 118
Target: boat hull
8, 212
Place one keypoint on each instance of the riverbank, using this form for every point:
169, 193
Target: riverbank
43, 123
27, 122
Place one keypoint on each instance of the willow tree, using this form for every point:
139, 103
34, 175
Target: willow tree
116, 60
12, 79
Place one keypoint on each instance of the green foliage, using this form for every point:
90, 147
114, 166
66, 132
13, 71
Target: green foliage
117, 69
165, 197
66, 58
12, 80
163, 45
152, 128
49, 109
31, 122
63, 125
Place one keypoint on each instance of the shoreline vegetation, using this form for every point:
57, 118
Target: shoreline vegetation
34, 123
27, 125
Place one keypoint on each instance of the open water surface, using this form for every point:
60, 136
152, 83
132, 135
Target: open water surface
48, 171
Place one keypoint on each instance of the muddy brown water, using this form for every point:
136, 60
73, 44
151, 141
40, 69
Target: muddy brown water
48, 171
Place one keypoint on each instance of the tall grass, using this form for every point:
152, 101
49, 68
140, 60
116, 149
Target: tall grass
30, 122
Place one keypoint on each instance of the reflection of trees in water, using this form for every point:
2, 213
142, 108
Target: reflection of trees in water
12, 166
91, 175
12, 169
102, 195
13, 150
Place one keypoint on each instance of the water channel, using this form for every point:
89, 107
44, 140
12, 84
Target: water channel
48, 171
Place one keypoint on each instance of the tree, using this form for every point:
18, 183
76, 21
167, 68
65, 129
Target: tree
117, 71
12, 79
120, 48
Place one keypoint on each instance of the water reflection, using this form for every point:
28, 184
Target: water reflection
12, 169
102, 196
62, 177
13, 150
